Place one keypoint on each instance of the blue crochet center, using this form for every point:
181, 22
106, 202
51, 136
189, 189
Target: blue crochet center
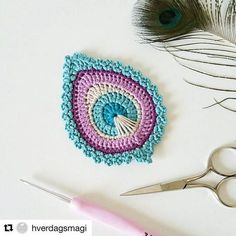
112, 110
107, 107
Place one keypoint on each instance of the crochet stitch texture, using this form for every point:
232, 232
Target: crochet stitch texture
111, 111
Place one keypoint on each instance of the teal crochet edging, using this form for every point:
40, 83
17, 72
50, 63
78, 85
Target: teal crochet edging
78, 62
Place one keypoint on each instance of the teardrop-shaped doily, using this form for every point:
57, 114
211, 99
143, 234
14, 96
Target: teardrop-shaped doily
112, 112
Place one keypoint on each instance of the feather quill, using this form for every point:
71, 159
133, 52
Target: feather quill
200, 34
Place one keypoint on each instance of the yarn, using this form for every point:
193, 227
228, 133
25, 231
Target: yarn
111, 111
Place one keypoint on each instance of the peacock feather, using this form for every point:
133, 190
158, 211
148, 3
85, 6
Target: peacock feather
200, 34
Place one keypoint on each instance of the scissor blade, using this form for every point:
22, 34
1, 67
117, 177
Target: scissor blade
156, 188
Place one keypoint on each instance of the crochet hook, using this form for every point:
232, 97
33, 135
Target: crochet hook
97, 213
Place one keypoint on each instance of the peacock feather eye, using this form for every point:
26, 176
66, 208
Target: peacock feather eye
160, 20
112, 112
169, 18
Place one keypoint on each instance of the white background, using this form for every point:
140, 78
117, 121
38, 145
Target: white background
35, 37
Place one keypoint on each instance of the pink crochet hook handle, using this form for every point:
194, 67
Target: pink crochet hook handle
98, 213
107, 217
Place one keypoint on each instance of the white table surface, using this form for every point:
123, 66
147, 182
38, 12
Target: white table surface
35, 37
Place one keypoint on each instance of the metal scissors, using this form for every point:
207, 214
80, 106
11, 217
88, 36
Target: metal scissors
215, 164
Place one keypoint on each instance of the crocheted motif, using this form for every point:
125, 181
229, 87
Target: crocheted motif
112, 112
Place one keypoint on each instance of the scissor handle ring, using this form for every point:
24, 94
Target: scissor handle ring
213, 157
227, 203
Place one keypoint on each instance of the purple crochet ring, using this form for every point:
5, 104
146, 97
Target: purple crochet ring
84, 82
